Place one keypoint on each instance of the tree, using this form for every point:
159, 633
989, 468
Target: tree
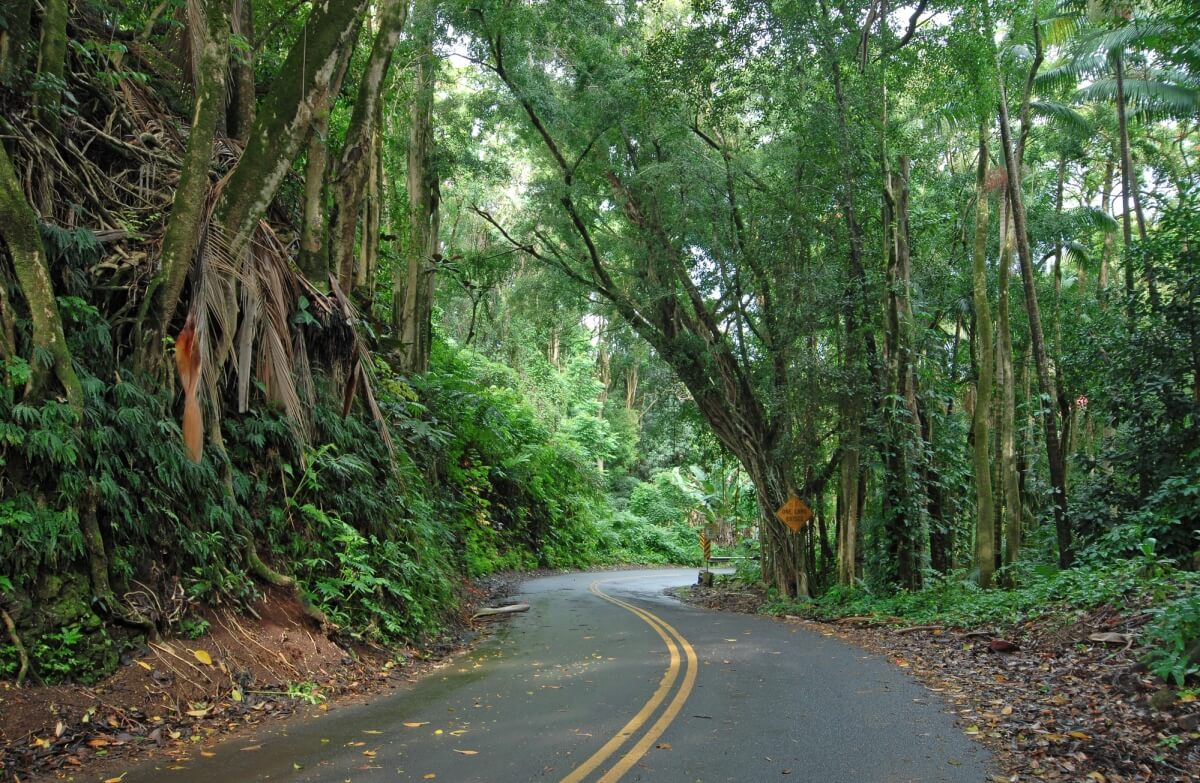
24, 243
414, 316
209, 36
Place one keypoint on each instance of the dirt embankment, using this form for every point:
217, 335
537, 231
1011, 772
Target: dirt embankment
176, 696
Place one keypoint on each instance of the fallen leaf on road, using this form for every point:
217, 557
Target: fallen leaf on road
145, 666
370, 752
467, 752
372, 731
117, 779
203, 657
207, 753
252, 747
902, 663
430, 776
663, 746
416, 725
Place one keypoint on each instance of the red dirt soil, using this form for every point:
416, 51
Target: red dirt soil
178, 692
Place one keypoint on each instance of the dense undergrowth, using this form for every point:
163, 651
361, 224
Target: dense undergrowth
480, 482
1148, 584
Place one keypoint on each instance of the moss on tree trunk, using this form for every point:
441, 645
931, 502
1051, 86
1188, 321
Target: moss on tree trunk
985, 520
422, 209
283, 118
210, 38
52, 63
15, 30
355, 161
242, 97
19, 232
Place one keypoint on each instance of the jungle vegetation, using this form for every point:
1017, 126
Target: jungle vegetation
357, 299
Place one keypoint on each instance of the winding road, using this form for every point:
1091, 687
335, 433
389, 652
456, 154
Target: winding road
607, 679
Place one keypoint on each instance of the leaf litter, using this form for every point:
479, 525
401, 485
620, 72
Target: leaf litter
1061, 698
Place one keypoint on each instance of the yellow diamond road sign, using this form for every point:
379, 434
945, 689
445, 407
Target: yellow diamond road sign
795, 513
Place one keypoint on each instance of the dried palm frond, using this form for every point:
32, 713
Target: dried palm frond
362, 374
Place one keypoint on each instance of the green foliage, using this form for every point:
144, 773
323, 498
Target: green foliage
61, 655
662, 501
628, 538
1142, 375
958, 601
1173, 639
520, 496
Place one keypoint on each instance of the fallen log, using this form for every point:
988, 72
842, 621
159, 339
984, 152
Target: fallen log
494, 610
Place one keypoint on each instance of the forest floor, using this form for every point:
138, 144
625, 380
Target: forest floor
1049, 700
177, 696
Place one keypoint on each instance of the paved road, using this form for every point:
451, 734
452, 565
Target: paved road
607, 679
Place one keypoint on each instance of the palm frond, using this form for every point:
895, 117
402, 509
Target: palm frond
1141, 34
1148, 97
1071, 72
251, 310
1056, 30
362, 376
276, 284
214, 299
1096, 218
1064, 115
1077, 253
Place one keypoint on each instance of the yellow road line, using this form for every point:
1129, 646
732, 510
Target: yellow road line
669, 636
643, 715
650, 737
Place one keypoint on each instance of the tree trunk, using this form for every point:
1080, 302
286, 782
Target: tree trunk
1006, 381
1107, 253
356, 161
1129, 191
904, 509
424, 247
210, 45
848, 494
19, 232
52, 64
242, 89
1056, 309
15, 35
313, 258
283, 119
1046, 382
369, 255
985, 520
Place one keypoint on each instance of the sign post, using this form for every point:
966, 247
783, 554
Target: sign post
795, 513
706, 577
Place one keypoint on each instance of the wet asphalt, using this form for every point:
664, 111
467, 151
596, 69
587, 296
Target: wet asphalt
549, 692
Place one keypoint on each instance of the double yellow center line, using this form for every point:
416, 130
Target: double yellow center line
687, 663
